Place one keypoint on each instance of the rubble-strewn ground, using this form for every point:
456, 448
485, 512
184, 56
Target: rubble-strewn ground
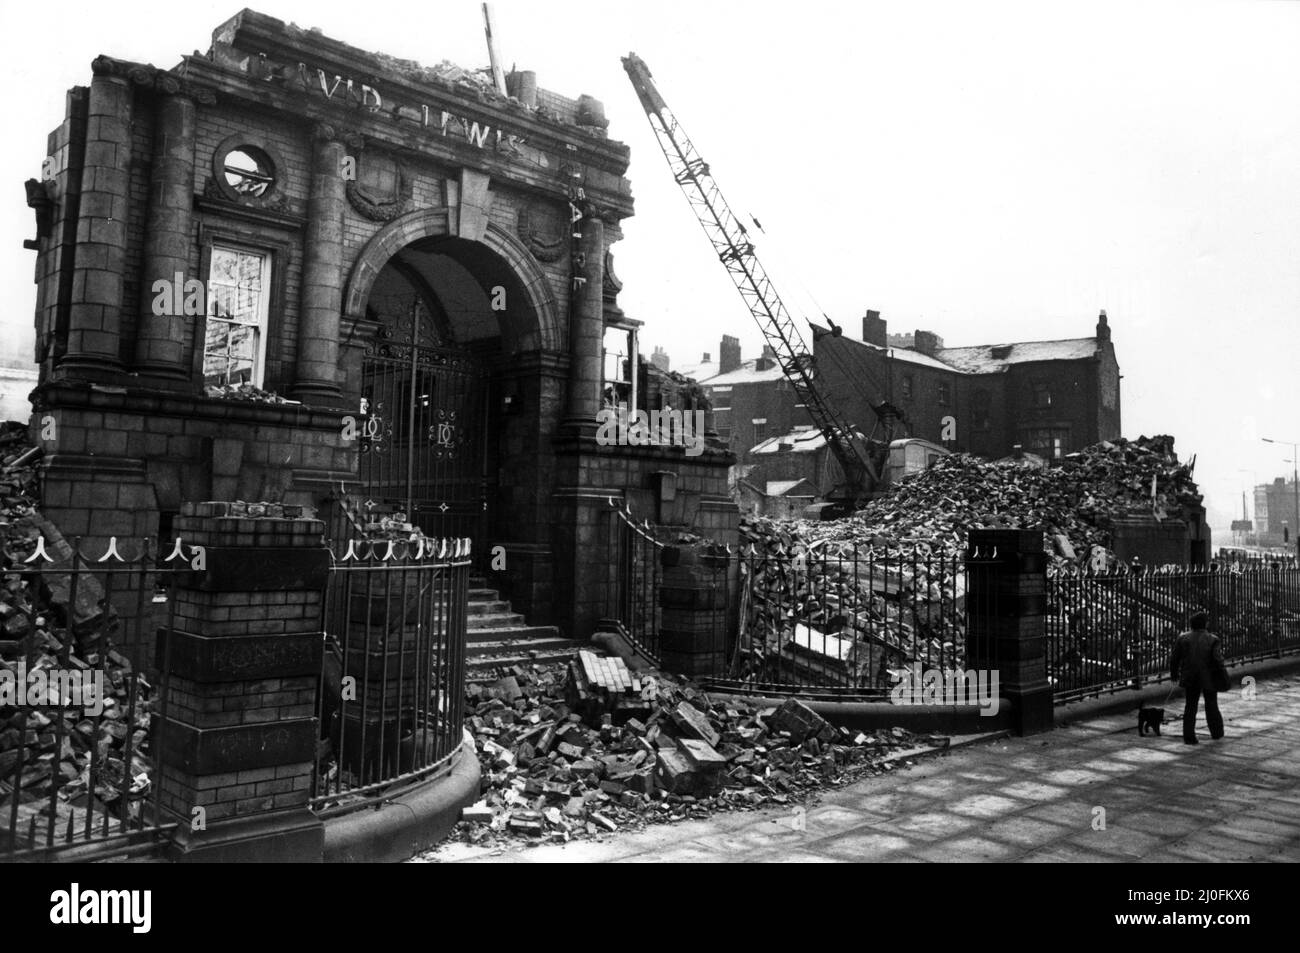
1032, 799
564, 758
85, 758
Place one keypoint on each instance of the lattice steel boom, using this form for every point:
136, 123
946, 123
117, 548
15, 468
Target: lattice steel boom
731, 242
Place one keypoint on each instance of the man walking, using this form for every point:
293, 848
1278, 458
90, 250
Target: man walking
1197, 665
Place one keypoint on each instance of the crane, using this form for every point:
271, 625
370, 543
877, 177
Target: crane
731, 242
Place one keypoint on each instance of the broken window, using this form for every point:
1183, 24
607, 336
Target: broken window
945, 393
248, 171
1046, 442
619, 367
234, 342
907, 386
1042, 394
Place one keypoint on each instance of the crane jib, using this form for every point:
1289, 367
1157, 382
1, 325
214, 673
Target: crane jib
737, 255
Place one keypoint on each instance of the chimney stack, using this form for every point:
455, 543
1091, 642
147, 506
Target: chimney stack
728, 354
874, 329
927, 342
1103, 328
660, 359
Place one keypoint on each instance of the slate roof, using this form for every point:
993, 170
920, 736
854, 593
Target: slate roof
745, 374
980, 359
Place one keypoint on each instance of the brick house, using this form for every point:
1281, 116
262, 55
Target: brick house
1047, 397
417, 267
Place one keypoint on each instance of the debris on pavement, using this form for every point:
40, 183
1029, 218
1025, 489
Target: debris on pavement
584, 749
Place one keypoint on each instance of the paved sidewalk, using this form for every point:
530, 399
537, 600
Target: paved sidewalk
1022, 799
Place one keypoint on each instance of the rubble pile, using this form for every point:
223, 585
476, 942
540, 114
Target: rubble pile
586, 748
246, 391
43, 628
884, 587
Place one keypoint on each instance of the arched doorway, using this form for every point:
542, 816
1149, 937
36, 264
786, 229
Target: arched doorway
423, 447
477, 318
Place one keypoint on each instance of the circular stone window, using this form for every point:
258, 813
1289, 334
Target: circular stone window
249, 171
246, 169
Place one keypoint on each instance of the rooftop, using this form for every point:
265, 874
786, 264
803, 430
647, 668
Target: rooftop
991, 358
745, 374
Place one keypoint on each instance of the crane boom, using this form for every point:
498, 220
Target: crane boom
731, 242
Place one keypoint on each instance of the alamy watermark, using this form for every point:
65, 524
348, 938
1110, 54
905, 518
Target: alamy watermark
42, 687
655, 428
917, 685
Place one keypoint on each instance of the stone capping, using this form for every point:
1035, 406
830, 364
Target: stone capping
255, 32
63, 394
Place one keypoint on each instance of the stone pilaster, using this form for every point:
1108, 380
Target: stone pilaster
160, 345
587, 329
317, 369
94, 314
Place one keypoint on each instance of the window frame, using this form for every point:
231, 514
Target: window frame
263, 323
280, 248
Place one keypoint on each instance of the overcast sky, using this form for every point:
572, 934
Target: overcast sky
990, 171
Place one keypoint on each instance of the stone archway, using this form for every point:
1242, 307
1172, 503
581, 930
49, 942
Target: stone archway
534, 326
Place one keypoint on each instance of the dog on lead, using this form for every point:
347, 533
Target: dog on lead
1153, 718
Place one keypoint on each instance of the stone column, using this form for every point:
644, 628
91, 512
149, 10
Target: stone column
236, 726
160, 350
587, 329
1006, 598
322, 276
94, 315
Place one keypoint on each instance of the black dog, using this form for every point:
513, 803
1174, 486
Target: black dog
1150, 718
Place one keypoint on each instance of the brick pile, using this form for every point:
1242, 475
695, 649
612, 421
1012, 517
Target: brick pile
833, 575
40, 629
578, 750
1072, 502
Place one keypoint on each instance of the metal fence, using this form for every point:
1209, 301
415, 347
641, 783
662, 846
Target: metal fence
839, 618
81, 714
632, 597
1111, 631
392, 685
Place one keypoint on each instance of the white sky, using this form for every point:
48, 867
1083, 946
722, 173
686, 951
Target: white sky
991, 171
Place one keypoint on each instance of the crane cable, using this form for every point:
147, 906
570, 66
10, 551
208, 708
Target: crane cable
852, 379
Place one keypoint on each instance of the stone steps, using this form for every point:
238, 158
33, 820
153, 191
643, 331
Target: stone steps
497, 636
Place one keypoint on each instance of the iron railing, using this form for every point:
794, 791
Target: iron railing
1116, 630
841, 618
632, 595
79, 770
392, 685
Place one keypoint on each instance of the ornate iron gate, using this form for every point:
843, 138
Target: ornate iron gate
423, 444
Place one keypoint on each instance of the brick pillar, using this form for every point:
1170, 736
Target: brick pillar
160, 339
241, 661
94, 315
694, 627
1006, 598
322, 277
587, 330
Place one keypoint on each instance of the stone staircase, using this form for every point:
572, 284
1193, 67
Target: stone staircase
498, 636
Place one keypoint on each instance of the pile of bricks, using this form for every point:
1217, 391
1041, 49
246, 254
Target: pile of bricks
1072, 503
47, 747
589, 748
